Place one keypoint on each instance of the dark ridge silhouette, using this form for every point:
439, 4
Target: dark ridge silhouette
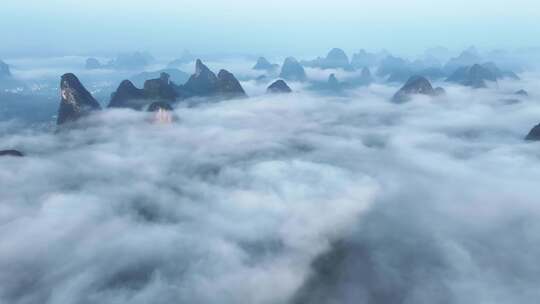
229, 86
414, 86
279, 87
534, 134
203, 83
13, 153
76, 101
127, 96
160, 89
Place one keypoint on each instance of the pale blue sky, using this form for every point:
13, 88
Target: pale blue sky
250, 26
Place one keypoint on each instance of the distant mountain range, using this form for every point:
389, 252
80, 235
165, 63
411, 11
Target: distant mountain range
159, 91
264, 65
127, 61
157, 95
478, 75
335, 59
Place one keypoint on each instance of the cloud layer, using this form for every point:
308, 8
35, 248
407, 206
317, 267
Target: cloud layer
274, 199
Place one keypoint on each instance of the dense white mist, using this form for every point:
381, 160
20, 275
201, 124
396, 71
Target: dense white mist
233, 203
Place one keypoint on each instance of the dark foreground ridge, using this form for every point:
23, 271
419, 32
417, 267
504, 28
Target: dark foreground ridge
13, 153
76, 101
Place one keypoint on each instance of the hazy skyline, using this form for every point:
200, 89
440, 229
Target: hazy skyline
165, 27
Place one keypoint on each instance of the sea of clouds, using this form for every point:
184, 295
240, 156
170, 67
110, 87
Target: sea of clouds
294, 198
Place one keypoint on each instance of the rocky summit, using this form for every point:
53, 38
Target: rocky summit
416, 85
76, 101
279, 87
203, 83
127, 96
264, 65
160, 89
292, 70
229, 86
534, 134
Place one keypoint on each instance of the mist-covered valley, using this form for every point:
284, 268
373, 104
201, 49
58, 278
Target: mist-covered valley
364, 177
